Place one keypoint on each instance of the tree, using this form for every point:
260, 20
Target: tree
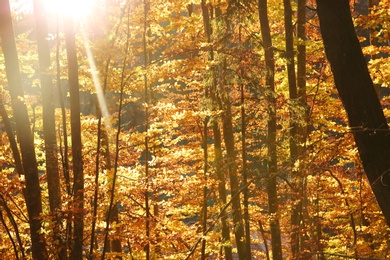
355, 87
23, 130
77, 157
52, 169
271, 161
176, 78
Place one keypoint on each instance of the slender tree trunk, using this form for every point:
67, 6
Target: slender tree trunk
225, 232
207, 28
112, 214
271, 132
227, 128
23, 130
356, 89
244, 155
303, 117
113, 245
294, 150
318, 223
64, 151
12, 140
49, 131
205, 169
228, 136
78, 174
301, 56
221, 190
11, 218
146, 33
48, 107
262, 231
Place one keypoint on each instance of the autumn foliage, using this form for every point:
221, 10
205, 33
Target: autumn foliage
176, 114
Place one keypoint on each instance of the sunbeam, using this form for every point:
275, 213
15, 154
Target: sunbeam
96, 83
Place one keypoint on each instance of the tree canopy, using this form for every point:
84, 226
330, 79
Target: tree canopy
194, 129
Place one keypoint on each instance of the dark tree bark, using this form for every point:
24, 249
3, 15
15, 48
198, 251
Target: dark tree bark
295, 129
146, 54
23, 130
227, 128
303, 118
48, 107
276, 241
356, 89
78, 175
225, 232
245, 183
49, 131
221, 187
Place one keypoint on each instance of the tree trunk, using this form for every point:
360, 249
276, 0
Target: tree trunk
221, 190
146, 54
245, 183
23, 130
294, 142
302, 122
49, 131
227, 129
271, 133
217, 141
356, 89
78, 175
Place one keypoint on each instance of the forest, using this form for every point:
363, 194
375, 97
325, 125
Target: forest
183, 129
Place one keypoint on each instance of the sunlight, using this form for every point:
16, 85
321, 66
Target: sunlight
78, 9
96, 82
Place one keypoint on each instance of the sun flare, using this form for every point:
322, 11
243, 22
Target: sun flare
78, 9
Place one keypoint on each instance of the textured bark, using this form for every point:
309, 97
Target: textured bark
78, 175
356, 89
273, 206
23, 130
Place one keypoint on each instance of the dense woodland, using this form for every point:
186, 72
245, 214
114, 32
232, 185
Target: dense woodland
155, 129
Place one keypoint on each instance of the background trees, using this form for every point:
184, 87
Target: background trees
205, 132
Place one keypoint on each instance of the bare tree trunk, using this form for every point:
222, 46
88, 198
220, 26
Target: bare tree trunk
78, 174
244, 156
225, 232
146, 33
23, 130
222, 190
356, 89
271, 132
294, 117
227, 128
303, 117
49, 131
207, 28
